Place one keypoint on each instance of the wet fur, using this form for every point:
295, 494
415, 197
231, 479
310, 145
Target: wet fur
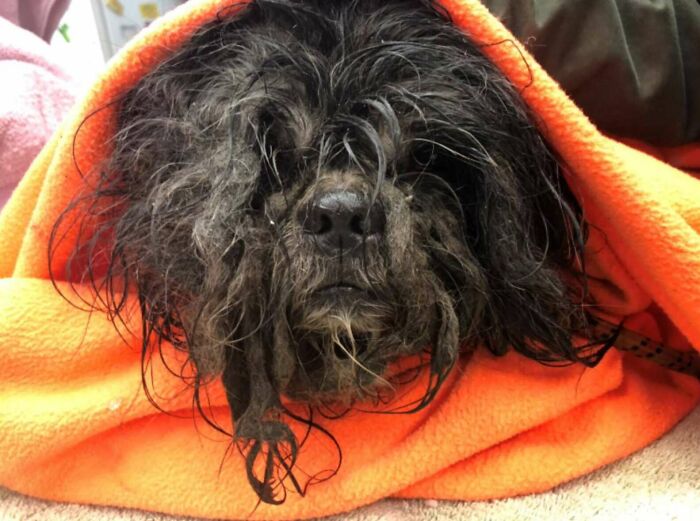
219, 149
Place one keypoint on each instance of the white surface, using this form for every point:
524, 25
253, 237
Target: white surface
91, 42
82, 56
117, 28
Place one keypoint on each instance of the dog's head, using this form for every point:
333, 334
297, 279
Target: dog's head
309, 190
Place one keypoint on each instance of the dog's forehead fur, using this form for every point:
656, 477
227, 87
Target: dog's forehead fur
366, 72
223, 147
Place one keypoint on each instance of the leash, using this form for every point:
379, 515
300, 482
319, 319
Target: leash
640, 346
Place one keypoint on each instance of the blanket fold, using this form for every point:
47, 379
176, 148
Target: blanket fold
75, 424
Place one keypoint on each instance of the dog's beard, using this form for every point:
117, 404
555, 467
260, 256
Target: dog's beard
219, 150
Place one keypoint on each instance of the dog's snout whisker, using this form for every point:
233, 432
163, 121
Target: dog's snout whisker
340, 220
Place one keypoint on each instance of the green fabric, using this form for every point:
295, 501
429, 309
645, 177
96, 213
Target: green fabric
632, 65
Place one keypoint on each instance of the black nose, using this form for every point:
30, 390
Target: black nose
341, 220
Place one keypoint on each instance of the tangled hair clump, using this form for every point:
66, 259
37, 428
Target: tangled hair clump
203, 209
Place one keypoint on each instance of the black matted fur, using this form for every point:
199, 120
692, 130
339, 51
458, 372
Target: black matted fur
203, 208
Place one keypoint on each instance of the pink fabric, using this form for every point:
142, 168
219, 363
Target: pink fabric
35, 95
38, 16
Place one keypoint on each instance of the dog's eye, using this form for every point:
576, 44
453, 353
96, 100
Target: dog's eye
424, 156
257, 202
278, 161
277, 175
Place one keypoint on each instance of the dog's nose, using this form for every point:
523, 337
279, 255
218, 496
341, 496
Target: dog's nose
341, 220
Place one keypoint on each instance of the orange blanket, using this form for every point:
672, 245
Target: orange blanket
76, 426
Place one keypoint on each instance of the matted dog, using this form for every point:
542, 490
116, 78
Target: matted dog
309, 191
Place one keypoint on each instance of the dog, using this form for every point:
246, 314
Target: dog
309, 191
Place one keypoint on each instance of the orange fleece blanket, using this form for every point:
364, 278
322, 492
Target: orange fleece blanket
76, 426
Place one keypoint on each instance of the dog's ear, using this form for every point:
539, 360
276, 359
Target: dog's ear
526, 231
523, 229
